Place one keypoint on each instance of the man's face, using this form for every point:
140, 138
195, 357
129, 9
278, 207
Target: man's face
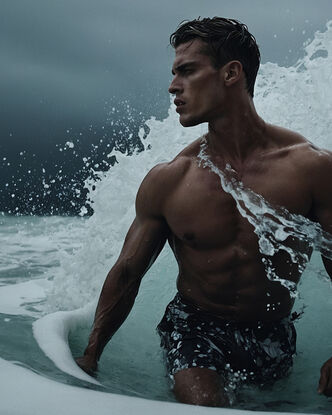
197, 85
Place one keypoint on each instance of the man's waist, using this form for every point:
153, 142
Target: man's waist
233, 314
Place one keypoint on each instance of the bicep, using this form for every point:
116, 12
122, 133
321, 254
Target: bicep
148, 233
144, 241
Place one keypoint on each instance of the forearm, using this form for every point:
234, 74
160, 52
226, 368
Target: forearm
115, 302
143, 242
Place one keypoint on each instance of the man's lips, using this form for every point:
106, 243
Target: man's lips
179, 104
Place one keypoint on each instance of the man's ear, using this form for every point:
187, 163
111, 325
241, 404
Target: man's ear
233, 71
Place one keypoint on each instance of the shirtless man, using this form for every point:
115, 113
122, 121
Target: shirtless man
226, 308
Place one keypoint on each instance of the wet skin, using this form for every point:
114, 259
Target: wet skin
220, 266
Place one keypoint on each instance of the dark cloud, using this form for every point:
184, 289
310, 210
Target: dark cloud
65, 63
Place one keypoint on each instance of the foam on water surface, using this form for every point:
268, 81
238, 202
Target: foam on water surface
23, 298
51, 333
39, 395
77, 259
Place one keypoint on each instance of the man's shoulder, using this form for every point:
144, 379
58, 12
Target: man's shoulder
164, 178
285, 138
314, 162
171, 172
300, 147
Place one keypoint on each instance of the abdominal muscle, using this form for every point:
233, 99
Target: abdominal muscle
231, 286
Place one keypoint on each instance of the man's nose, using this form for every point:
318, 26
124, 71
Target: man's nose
174, 86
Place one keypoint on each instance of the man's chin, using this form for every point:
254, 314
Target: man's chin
189, 122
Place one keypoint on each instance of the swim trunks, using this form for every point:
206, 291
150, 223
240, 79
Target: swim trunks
259, 352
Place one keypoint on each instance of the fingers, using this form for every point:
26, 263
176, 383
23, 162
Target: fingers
325, 381
322, 382
89, 366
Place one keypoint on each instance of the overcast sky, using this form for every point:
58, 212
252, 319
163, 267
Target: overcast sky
65, 62
62, 59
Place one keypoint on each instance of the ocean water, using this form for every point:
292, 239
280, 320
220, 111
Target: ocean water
52, 268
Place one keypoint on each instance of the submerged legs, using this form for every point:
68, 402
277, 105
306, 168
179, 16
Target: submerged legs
199, 386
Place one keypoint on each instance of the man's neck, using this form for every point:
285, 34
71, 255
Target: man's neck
237, 134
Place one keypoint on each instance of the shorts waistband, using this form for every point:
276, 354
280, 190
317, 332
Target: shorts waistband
193, 308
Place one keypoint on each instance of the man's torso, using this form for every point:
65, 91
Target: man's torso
220, 266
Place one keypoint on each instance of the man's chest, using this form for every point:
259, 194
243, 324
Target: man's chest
205, 207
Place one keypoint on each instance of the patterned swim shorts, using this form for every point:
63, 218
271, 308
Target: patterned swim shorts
259, 352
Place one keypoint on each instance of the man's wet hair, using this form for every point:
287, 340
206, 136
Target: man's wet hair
226, 40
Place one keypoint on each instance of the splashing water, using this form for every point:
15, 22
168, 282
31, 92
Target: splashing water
295, 97
272, 225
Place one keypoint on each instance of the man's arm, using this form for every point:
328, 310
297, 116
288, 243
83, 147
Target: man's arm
144, 241
323, 214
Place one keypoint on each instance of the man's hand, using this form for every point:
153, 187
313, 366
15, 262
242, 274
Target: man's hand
325, 381
88, 364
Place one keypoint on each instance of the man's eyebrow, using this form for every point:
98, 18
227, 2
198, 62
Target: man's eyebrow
183, 66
